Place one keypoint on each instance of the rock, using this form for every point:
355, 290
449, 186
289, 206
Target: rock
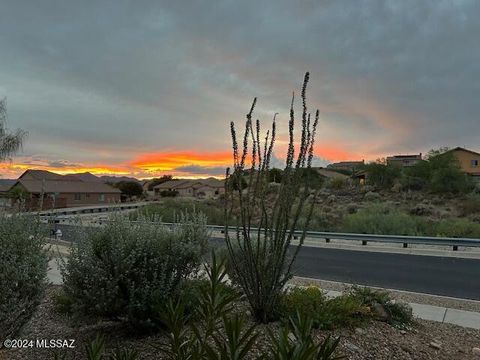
352, 208
435, 345
372, 196
380, 312
403, 332
359, 331
351, 347
476, 351
421, 210
331, 199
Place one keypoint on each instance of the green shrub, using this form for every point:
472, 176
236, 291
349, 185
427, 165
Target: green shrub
337, 183
379, 219
470, 205
169, 209
342, 311
23, 270
124, 269
397, 314
456, 228
306, 300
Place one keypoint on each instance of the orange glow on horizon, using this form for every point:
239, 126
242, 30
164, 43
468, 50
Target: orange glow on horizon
168, 161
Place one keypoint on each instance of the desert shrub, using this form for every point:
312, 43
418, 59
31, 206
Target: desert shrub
337, 183
382, 175
380, 302
456, 228
306, 300
124, 269
380, 219
470, 205
169, 209
23, 270
342, 311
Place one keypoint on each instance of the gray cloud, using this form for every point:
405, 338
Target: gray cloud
201, 170
104, 81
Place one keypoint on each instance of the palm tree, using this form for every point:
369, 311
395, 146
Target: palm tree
10, 142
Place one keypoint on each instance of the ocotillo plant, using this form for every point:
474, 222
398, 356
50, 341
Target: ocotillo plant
259, 252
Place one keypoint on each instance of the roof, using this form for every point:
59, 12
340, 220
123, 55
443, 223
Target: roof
86, 176
186, 183
401, 157
330, 174
36, 181
459, 148
6, 184
346, 163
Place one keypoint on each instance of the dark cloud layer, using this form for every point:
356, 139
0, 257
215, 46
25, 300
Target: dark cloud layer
104, 81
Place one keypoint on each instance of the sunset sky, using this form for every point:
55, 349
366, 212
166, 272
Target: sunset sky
146, 88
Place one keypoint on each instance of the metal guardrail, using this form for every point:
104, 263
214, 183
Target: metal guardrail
363, 238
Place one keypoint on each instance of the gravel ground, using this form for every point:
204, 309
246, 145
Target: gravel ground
460, 304
375, 341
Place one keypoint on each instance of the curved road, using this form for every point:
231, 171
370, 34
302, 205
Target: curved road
448, 276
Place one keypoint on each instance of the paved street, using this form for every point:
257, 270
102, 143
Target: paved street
448, 276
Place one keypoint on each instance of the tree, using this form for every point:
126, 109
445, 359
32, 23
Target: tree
440, 173
10, 143
157, 181
129, 188
275, 175
382, 175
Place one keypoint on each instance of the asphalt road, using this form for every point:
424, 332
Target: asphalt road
448, 276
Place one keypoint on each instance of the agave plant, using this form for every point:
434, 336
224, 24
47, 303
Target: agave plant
259, 252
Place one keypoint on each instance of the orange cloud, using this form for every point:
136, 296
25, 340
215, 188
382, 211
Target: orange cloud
167, 161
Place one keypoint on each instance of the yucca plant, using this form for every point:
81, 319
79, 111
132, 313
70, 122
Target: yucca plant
295, 342
259, 252
216, 334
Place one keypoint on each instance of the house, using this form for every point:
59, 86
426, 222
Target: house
5, 185
63, 190
330, 174
469, 160
199, 188
404, 160
350, 166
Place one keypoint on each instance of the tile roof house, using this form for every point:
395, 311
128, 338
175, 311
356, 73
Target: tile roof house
64, 190
346, 165
199, 188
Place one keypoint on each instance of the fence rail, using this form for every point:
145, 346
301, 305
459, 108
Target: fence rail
364, 239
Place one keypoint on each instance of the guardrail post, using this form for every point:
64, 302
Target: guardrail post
364, 242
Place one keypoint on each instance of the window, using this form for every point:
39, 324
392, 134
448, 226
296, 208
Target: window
78, 197
101, 198
474, 163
